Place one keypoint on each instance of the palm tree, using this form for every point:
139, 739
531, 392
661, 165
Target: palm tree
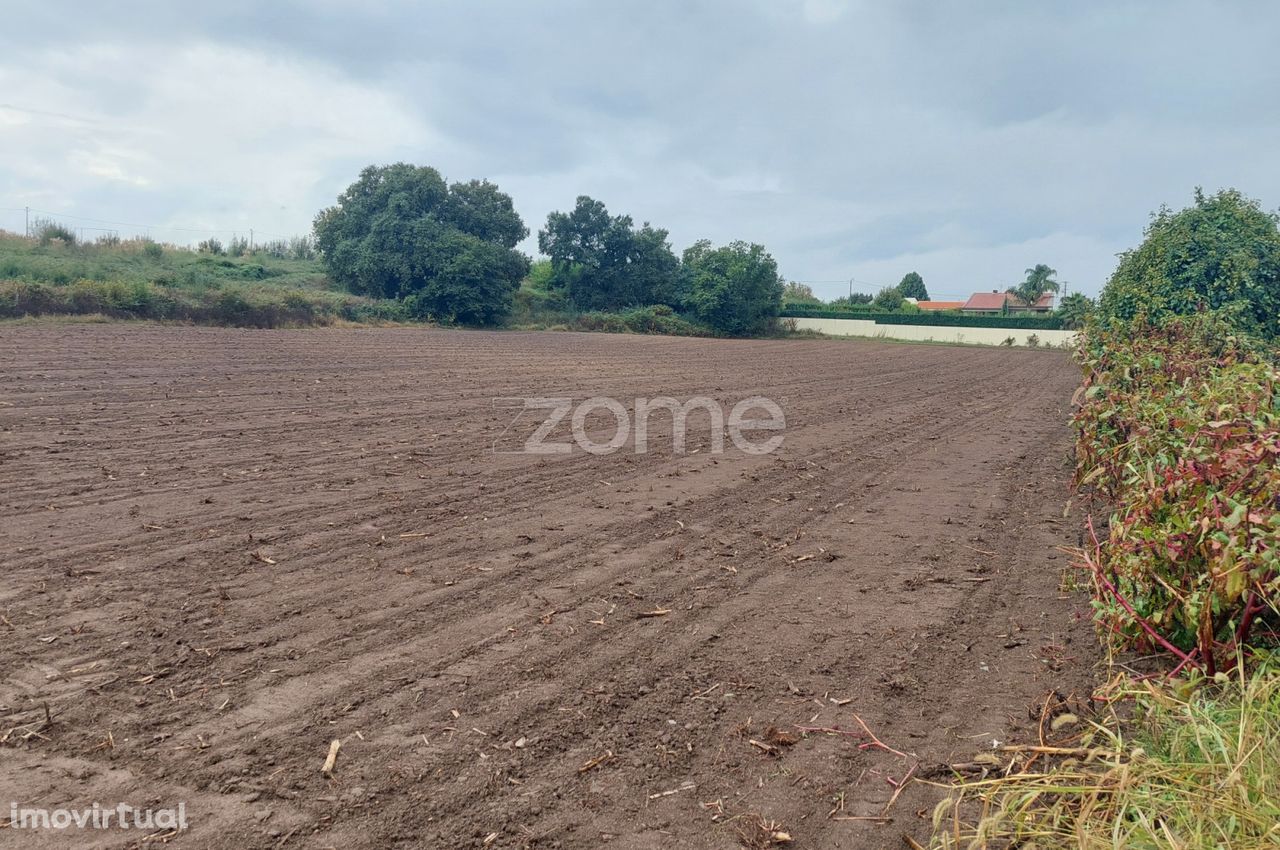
1039, 281
1075, 310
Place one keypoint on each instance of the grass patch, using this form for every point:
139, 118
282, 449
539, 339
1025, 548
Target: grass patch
1196, 768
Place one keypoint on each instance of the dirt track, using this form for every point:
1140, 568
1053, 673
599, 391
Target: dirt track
223, 549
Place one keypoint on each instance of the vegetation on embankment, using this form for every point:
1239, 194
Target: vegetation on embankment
1178, 437
141, 279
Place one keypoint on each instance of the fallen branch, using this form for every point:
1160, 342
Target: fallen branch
656, 612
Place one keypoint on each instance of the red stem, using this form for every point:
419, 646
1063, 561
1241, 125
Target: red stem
1146, 627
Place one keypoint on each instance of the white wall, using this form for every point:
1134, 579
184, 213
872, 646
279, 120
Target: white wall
933, 333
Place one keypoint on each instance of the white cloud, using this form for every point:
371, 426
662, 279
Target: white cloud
206, 135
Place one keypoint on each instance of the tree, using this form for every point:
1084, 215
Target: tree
47, 231
539, 277
912, 286
1221, 252
1075, 310
854, 299
400, 231
605, 262
889, 299
1039, 281
735, 289
799, 293
653, 268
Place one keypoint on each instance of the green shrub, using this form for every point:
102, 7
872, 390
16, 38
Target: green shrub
959, 319
801, 311
47, 231
734, 289
1179, 428
1221, 252
659, 319
140, 279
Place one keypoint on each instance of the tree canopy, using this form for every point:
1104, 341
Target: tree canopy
889, 298
1075, 310
1222, 252
400, 231
799, 293
604, 262
1039, 280
853, 299
912, 286
734, 289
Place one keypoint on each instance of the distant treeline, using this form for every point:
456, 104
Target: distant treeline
424, 249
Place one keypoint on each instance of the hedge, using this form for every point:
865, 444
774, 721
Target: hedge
795, 311
1030, 323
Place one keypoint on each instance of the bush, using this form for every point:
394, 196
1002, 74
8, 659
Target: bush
1179, 428
140, 279
735, 289
47, 231
889, 299
658, 319
1221, 252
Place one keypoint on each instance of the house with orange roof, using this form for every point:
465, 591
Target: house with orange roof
996, 302
936, 306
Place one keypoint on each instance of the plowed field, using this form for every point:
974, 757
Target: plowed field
223, 549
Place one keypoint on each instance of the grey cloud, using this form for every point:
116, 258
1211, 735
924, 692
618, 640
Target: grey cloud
852, 138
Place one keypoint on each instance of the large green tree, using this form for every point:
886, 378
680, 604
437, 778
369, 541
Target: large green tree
912, 286
1221, 252
735, 289
604, 262
1039, 280
401, 231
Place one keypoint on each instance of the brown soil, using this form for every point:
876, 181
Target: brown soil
223, 549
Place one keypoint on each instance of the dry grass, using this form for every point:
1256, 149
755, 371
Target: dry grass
1196, 768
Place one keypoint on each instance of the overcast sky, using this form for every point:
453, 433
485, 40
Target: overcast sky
966, 141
